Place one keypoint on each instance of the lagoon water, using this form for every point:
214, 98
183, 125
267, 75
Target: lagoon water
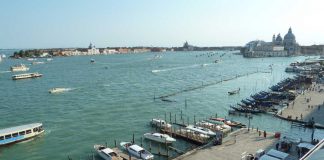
113, 98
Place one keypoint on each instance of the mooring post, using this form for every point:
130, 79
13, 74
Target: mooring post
133, 138
216, 115
150, 148
115, 143
170, 118
165, 116
175, 118
159, 149
181, 114
186, 103
106, 144
188, 121
194, 119
141, 141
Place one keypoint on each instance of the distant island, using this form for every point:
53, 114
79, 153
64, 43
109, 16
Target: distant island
92, 50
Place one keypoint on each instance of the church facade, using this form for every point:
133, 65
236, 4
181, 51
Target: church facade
278, 47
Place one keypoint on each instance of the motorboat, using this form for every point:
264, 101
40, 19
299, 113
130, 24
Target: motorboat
92, 61
234, 92
26, 75
228, 122
20, 133
137, 151
34, 63
201, 130
58, 90
31, 59
19, 68
106, 153
158, 137
160, 123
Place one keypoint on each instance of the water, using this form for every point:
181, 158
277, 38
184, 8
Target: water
113, 98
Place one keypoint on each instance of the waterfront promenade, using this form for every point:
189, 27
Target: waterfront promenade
308, 104
236, 145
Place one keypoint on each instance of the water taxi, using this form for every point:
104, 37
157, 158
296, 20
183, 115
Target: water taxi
106, 153
26, 75
158, 137
201, 130
20, 133
137, 151
19, 68
58, 90
160, 123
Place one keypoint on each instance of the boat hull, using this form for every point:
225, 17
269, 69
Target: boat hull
19, 139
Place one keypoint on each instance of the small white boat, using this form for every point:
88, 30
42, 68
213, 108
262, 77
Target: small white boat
20, 133
34, 63
195, 133
158, 137
19, 68
201, 130
160, 123
106, 153
49, 59
92, 61
58, 90
136, 151
31, 59
3, 56
26, 75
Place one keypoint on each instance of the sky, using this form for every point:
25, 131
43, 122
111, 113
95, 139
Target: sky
165, 23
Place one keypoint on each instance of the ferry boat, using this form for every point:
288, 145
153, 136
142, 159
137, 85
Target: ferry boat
26, 75
201, 130
158, 137
106, 153
160, 123
20, 133
58, 90
136, 151
19, 68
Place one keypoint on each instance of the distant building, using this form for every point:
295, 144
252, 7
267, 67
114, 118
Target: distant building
278, 47
92, 50
187, 47
312, 50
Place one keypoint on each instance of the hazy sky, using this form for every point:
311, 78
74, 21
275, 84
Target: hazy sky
75, 23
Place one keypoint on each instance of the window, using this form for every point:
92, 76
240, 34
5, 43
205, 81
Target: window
22, 133
1, 138
15, 135
8, 136
28, 131
35, 129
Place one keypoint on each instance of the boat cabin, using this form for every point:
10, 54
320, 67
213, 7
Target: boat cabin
19, 133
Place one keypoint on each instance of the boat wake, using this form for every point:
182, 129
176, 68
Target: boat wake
180, 68
5, 71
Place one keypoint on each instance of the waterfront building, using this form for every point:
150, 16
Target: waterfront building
278, 47
92, 50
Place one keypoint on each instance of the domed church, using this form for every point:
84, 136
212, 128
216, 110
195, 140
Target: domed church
278, 47
290, 43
